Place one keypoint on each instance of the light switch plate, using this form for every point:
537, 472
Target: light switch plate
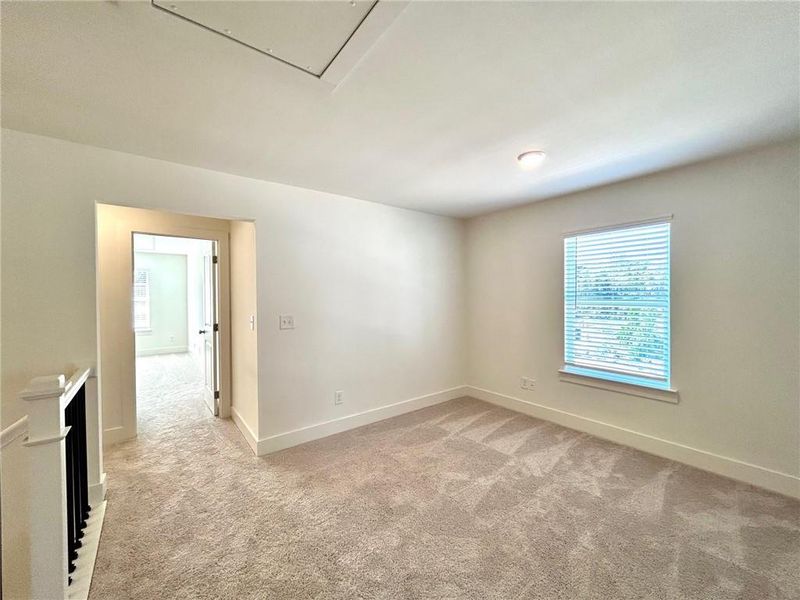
287, 322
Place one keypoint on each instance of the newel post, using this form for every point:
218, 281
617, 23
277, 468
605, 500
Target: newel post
48, 510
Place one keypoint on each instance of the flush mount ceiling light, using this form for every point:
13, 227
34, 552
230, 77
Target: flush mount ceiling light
531, 159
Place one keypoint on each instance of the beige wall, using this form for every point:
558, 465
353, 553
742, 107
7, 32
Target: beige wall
16, 506
376, 292
380, 295
244, 340
735, 305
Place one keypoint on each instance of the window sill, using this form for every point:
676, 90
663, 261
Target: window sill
670, 395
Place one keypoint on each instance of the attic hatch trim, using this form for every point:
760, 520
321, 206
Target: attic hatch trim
154, 4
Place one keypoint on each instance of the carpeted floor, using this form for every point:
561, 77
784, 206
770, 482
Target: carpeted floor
460, 500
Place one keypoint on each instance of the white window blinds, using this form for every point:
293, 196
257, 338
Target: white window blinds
616, 304
141, 299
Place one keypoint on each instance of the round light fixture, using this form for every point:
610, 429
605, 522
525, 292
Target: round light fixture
531, 159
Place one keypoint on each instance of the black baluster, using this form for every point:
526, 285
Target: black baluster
80, 522
83, 461
77, 475
70, 482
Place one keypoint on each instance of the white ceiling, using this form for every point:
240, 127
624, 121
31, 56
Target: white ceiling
434, 114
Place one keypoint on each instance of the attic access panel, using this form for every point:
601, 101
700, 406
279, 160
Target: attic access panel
304, 35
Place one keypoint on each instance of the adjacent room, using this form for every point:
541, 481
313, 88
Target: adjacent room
174, 302
391, 299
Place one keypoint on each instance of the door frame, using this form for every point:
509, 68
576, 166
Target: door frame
116, 339
211, 320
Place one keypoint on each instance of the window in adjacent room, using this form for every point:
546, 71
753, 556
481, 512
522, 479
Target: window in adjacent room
617, 305
141, 300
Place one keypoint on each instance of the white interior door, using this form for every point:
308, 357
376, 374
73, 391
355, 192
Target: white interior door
210, 330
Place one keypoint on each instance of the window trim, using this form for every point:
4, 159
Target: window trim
631, 389
612, 226
566, 372
149, 327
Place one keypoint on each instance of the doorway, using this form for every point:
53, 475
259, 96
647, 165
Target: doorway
175, 306
174, 348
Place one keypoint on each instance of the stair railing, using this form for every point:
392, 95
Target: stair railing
65, 453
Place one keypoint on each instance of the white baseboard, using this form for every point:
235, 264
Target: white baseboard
115, 435
245, 430
288, 439
97, 491
783, 483
163, 350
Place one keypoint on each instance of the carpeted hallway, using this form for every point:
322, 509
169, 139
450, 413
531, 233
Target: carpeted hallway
460, 500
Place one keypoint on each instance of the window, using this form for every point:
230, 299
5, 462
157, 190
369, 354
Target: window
141, 300
616, 304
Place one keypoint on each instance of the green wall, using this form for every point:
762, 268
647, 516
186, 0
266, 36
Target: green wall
168, 317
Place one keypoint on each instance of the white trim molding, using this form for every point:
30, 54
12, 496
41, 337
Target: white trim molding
668, 395
309, 433
625, 225
182, 349
782, 483
245, 430
48, 440
97, 491
366, 34
15, 430
87, 555
115, 435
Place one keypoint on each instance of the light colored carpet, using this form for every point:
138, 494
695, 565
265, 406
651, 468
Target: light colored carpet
460, 500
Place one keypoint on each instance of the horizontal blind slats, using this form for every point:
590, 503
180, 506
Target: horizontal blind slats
616, 301
613, 363
646, 358
641, 344
608, 247
587, 258
618, 369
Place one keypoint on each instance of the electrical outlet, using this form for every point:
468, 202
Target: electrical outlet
287, 322
527, 383
338, 397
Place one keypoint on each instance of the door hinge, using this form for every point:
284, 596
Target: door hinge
216, 326
216, 395
215, 259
